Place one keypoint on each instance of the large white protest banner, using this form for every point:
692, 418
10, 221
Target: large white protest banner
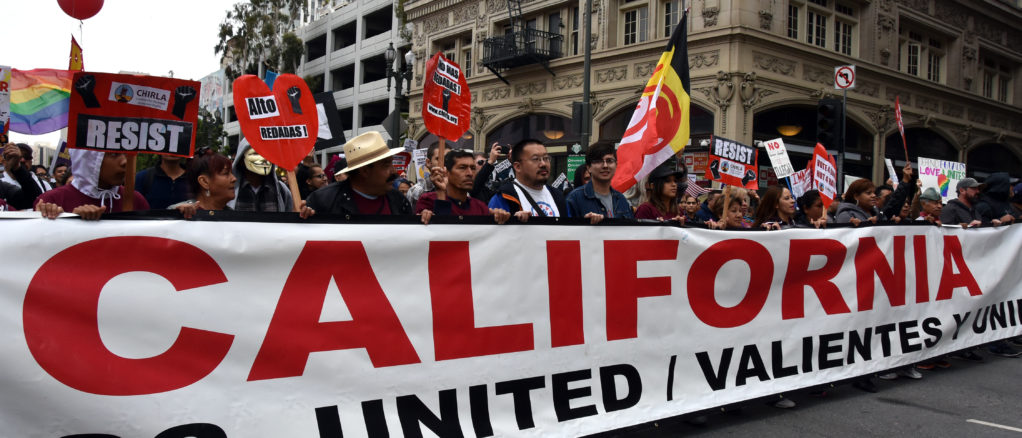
133, 328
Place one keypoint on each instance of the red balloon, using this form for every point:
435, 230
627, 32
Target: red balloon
81, 9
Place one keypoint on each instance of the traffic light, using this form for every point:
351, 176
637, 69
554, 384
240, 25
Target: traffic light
829, 117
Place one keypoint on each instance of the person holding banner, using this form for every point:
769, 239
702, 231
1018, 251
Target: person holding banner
993, 206
453, 184
60, 175
258, 188
776, 209
211, 181
891, 204
596, 197
662, 188
929, 201
962, 210
859, 204
731, 218
97, 187
810, 211
369, 188
532, 167
11, 195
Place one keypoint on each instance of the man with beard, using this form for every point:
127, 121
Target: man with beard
528, 194
369, 188
963, 210
597, 199
453, 184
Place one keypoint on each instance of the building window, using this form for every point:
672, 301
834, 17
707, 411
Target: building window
636, 23
996, 79
672, 15
817, 32
843, 37
466, 59
921, 57
815, 18
793, 22
575, 22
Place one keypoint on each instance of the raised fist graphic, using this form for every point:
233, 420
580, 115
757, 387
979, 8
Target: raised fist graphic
86, 85
182, 95
294, 94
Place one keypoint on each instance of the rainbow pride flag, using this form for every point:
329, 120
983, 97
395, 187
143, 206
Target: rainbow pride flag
39, 100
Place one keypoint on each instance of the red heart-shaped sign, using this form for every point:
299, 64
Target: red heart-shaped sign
280, 125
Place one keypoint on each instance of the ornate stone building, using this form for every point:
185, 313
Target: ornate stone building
756, 66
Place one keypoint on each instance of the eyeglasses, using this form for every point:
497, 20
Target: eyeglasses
543, 159
321, 176
607, 162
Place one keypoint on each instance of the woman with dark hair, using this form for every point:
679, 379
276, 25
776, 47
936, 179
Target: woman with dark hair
309, 179
730, 218
581, 178
810, 210
859, 204
211, 181
776, 209
661, 195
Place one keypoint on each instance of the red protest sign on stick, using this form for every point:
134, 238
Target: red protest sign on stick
446, 100
901, 124
131, 113
281, 125
733, 163
824, 175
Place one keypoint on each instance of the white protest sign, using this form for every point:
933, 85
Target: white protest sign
5, 96
890, 171
419, 158
942, 175
779, 157
801, 182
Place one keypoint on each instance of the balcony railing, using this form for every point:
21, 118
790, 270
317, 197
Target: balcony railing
516, 49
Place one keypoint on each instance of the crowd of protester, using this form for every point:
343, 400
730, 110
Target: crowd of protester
365, 182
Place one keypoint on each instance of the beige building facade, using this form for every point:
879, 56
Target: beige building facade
758, 67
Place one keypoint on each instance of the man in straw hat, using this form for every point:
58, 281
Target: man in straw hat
369, 188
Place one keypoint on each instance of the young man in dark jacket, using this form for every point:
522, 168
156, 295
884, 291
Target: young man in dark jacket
528, 194
597, 197
994, 204
369, 188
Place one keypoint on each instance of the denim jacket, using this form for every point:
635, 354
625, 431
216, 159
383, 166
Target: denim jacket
584, 200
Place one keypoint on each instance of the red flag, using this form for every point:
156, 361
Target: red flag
659, 126
901, 124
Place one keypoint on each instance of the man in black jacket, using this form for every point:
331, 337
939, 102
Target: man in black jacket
891, 205
11, 195
369, 189
993, 206
962, 210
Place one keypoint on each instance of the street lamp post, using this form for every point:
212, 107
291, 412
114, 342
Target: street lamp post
399, 73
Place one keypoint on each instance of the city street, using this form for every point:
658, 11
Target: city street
968, 399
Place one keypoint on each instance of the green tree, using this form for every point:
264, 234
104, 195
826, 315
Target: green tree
210, 132
260, 34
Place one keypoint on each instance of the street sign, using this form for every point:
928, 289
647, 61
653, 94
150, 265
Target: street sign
844, 77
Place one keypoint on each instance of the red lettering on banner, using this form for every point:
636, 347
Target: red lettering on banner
922, 279
295, 330
949, 281
455, 335
564, 275
799, 276
624, 288
62, 328
703, 276
870, 261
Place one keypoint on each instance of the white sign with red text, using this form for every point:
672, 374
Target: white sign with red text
135, 328
779, 157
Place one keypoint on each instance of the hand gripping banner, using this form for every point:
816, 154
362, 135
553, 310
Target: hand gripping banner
134, 328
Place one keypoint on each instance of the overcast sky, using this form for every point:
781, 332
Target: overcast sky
146, 36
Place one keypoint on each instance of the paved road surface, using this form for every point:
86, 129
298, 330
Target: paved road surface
953, 402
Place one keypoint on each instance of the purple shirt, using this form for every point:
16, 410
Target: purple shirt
469, 207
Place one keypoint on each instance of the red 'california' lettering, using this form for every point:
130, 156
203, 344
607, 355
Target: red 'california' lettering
870, 260
799, 276
564, 275
295, 330
624, 288
61, 323
922, 279
703, 276
454, 332
949, 281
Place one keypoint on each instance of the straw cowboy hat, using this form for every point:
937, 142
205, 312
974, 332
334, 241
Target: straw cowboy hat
366, 149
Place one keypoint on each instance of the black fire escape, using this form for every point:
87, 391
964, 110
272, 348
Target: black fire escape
520, 46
